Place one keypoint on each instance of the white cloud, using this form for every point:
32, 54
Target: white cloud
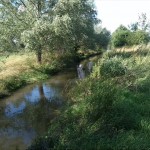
116, 12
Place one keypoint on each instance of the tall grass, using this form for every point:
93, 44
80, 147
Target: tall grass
13, 65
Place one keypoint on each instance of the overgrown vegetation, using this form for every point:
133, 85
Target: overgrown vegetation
137, 33
124, 37
108, 110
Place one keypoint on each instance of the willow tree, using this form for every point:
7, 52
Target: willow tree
71, 24
18, 16
51, 24
74, 22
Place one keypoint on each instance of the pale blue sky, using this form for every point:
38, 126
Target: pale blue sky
116, 12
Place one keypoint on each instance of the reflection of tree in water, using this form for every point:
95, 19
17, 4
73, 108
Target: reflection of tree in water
41, 91
39, 115
9, 112
39, 110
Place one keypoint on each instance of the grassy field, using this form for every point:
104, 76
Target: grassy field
109, 110
14, 65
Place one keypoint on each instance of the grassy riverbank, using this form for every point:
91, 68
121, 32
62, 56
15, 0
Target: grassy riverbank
18, 70
108, 110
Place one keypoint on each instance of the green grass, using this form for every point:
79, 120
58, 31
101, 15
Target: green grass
107, 111
20, 69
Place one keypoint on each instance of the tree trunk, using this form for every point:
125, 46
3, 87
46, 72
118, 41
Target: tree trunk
42, 95
39, 56
41, 91
76, 47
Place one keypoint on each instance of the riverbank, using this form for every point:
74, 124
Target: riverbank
108, 110
18, 70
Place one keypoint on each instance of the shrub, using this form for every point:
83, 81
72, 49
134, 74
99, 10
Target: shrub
42, 143
119, 37
124, 37
14, 83
112, 67
138, 37
143, 84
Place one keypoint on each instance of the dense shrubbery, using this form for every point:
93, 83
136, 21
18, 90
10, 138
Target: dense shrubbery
112, 67
124, 37
120, 37
106, 113
102, 38
138, 37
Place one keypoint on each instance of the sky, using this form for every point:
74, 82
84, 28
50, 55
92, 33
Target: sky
116, 12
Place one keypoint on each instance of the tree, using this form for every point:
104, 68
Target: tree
74, 21
120, 36
139, 31
142, 24
72, 25
134, 26
138, 37
102, 37
23, 15
58, 25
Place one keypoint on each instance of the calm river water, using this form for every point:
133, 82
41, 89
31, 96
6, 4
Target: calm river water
26, 114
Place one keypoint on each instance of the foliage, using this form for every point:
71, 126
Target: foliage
38, 38
13, 83
102, 38
138, 33
119, 37
124, 37
106, 113
47, 25
138, 37
112, 67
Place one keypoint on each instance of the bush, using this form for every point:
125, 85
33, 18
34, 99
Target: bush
138, 37
124, 37
42, 143
104, 114
119, 37
143, 84
14, 83
112, 67
47, 68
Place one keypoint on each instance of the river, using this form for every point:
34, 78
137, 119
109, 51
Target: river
26, 114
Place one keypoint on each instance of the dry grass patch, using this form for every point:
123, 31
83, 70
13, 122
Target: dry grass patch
128, 49
16, 64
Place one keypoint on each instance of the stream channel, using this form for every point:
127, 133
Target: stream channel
26, 114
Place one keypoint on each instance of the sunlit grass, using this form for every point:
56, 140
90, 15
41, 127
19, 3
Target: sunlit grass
14, 65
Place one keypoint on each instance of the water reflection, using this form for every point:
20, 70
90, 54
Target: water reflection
27, 114
11, 109
42, 91
33, 96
